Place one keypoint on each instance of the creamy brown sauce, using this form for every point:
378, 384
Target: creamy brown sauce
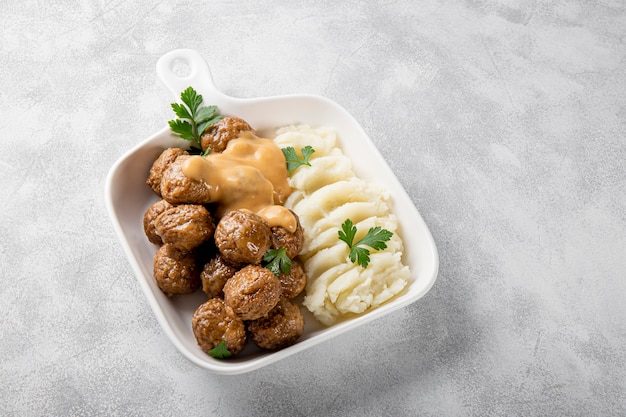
250, 174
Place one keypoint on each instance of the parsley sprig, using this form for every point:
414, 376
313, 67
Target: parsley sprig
193, 119
277, 261
293, 159
375, 239
220, 351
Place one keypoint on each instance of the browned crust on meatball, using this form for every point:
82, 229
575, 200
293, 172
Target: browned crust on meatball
185, 227
293, 283
217, 136
177, 188
242, 237
214, 275
160, 164
176, 272
292, 242
149, 218
252, 292
282, 327
213, 321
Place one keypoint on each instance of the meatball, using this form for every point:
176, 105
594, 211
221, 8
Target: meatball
242, 237
160, 164
213, 322
185, 227
149, 218
176, 272
292, 242
214, 275
293, 283
217, 136
252, 292
280, 328
177, 188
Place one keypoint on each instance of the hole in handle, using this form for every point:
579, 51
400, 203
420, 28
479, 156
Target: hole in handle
180, 68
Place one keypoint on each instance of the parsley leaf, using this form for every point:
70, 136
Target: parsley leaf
220, 351
183, 128
205, 113
191, 98
293, 160
277, 261
181, 111
193, 119
375, 239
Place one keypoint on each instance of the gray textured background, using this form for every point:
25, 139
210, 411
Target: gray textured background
505, 120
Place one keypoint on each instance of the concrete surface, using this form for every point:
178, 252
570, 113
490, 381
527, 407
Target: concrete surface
505, 120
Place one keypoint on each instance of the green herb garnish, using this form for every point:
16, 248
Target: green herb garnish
220, 351
375, 239
193, 119
277, 261
293, 160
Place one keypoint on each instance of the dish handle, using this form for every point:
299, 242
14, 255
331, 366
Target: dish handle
181, 68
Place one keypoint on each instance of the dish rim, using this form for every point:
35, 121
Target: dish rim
229, 367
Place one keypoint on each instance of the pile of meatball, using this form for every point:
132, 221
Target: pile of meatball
223, 256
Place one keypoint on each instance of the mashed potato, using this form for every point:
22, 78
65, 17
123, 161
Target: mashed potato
324, 196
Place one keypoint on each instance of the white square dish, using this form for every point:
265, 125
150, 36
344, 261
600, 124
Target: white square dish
128, 197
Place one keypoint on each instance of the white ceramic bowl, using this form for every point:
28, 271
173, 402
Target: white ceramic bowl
127, 198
